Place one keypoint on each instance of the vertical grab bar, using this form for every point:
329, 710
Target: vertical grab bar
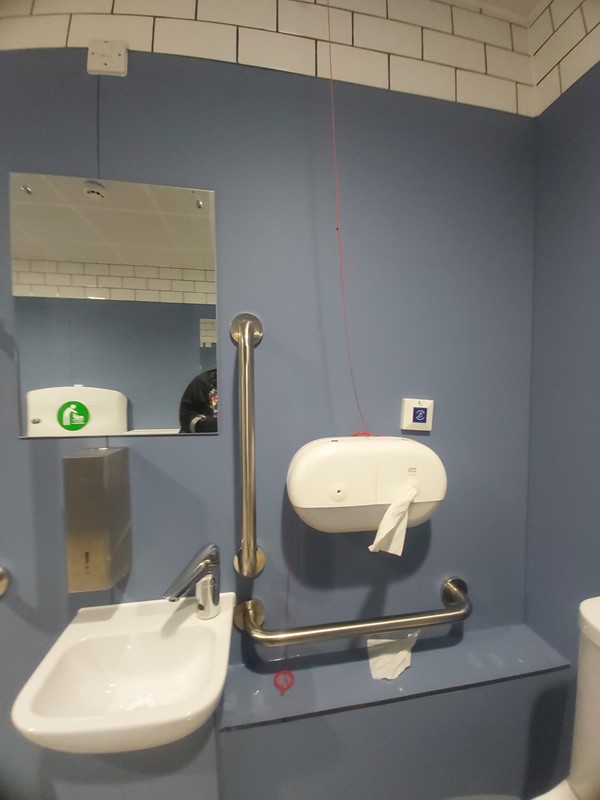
246, 332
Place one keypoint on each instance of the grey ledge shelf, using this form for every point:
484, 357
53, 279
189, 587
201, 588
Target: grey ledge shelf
343, 681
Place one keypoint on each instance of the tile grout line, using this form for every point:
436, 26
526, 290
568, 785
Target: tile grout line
562, 58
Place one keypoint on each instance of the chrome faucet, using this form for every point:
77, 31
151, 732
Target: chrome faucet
203, 574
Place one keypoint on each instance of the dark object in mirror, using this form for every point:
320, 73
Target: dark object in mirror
198, 410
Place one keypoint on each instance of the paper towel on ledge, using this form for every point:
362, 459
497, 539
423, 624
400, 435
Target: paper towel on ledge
388, 658
391, 533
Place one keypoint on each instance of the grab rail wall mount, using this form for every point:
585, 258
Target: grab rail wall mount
246, 332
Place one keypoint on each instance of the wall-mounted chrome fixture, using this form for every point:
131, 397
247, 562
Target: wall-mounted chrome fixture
246, 331
249, 617
203, 574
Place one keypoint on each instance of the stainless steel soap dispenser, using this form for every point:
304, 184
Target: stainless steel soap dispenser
97, 518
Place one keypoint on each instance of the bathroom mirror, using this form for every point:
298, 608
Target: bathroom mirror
114, 287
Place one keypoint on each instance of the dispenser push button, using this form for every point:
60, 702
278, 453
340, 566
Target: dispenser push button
417, 414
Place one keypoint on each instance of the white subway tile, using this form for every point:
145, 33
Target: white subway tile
204, 286
122, 270
561, 9
15, 8
42, 290
110, 283
184, 9
507, 64
481, 27
96, 269
198, 39
353, 65
58, 280
122, 294
421, 77
527, 105
443, 48
376, 7
591, 13
146, 296
19, 290
309, 19
20, 265
134, 283
276, 51
520, 38
470, 5
146, 272
44, 266
72, 292
193, 274
70, 267
256, 14
84, 280
156, 283
32, 277
558, 45
21, 33
427, 13
195, 297
136, 32
581, 59
171, 297
169, 273
485, 91
548, 90
540, 31
97, 294
211, 299
182, 286
387, 35
72, 7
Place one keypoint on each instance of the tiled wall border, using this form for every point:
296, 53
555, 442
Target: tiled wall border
464, 51
68, 279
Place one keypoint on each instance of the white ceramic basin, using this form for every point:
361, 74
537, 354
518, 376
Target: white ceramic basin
127, 677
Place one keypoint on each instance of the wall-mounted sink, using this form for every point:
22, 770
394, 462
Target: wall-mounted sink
127, 677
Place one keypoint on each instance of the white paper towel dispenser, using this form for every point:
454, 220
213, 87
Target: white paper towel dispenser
347, 484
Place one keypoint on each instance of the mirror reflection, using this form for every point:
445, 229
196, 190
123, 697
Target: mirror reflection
114, 288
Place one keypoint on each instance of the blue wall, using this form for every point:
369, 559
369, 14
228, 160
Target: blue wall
437, 213
564, 519
148, 351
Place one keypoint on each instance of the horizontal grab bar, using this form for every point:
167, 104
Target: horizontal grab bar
249, 617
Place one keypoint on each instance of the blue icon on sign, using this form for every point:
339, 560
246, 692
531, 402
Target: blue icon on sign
419, 415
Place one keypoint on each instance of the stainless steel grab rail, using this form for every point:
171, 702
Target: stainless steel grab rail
250, 615
246, 331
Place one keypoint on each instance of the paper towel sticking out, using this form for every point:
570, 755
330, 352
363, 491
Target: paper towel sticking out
388, 658
392, 528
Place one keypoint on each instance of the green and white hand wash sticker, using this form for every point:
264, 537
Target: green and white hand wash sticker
73, 416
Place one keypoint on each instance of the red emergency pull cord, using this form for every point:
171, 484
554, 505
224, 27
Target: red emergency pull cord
338, 227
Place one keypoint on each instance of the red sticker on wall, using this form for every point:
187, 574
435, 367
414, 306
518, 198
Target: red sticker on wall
283, 680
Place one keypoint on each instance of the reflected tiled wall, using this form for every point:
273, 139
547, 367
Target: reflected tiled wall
457, 52
113, 282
